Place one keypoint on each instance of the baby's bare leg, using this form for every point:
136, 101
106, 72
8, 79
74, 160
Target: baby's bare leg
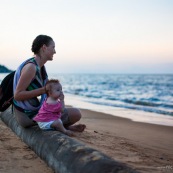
58, 125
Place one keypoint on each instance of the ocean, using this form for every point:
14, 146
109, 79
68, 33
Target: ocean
150, 95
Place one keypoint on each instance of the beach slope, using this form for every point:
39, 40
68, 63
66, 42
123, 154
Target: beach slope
144, 147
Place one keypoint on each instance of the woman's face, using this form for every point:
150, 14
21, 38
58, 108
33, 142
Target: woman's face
50, 50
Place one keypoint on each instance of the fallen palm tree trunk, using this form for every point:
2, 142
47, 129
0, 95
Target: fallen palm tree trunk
62, 153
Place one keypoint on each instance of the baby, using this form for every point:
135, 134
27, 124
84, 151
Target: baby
49, 115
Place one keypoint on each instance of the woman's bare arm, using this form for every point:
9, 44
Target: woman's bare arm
27, 74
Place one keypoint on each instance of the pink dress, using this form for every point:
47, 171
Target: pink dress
48, 112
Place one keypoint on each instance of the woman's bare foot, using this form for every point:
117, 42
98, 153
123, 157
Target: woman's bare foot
77, 128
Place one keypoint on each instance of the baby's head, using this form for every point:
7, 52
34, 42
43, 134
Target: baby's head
53, 87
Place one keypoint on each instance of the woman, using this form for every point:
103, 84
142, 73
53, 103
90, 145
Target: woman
29, 83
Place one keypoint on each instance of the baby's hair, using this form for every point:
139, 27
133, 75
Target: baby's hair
49, 85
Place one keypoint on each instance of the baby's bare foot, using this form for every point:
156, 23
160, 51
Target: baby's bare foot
69, 133
77, 128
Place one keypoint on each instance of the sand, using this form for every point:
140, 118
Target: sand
16, 156
144, 147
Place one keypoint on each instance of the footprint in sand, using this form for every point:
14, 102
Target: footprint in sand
30, 157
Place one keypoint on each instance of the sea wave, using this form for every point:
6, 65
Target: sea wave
150, 93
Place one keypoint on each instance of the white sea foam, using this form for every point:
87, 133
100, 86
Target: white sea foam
134, 115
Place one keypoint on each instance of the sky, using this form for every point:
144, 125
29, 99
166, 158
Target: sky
91, 36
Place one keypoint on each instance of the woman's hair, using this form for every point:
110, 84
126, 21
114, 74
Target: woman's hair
39, 41
49, 85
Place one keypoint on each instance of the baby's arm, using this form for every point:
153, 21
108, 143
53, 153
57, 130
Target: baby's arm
61, 98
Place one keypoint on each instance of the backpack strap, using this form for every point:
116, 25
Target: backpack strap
8, 102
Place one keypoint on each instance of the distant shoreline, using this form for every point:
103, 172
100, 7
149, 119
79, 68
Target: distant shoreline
5, 72
4, 69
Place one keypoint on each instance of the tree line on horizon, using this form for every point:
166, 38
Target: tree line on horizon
4, 69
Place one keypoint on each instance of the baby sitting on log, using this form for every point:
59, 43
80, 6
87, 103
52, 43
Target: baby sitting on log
50, 113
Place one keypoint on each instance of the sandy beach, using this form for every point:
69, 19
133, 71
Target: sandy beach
144, 147
16, 156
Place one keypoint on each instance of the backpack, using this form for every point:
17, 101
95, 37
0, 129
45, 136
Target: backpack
6, 91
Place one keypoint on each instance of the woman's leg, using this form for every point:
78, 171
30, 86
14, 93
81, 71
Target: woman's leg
74, 116
23, 119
